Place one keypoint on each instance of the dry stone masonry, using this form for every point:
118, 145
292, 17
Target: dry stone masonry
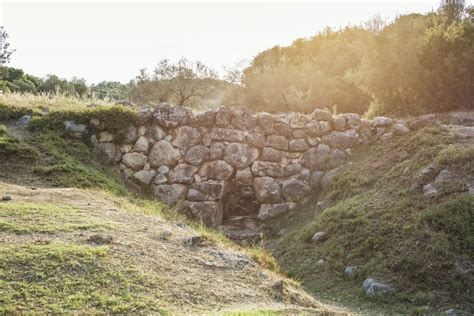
229, 162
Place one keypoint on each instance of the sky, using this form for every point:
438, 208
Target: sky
113, 40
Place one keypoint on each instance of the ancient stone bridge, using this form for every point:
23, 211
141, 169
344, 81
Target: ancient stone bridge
228, 162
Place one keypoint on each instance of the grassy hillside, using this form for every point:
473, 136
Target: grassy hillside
378, 222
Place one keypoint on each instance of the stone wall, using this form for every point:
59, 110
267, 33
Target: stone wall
230, 162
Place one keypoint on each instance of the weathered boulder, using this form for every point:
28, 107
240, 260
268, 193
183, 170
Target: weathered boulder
244, 120
134, 161
206, 119
163, 154
339, 123
170, 194
271, 154
209, 212
353, 120
206, 191
144, 177
266, 168
400, 129
156, 132
172, 116
256, 139
109, 153
373, 288
185, 137
382, 121
340, 139
216, 151
267, 190
316, 129
224, 116
292, 169
182, 173
240, 156
196, 155
73, 127
266, 122
216, 170
277, 142
293, 190
267, 211
298, 145
141, 145
321, 115
226, 134
315, 157
128, 135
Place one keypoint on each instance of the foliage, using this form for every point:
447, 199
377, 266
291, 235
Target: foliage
413, 65
5, 51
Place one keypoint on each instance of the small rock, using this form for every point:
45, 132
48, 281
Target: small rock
193, 240
73, 127
349, 271
320, 262
319, 236
164, 235
24, 120
372, 288
6, 198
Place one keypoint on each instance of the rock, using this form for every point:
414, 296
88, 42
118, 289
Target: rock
206, 119
225, 134
163, 169
109, 153
165, 234
193, 241
244, 121
292, 169
172, 116
105, 137
298, 145
339, 123
185, 137
304, 175
24, 120
156, 132
134, 161
160, 179
196, 155
128, 135
216, 170
265, 168
94, 141
141, 145
381, 121
244, 177
277, 142
170, 194
100, 239
206, 191
319, 236
327, 178
73, 127
321, 115
163, 153
320, 262
271, 154
316, 129
400, 129
210, 213
240, 156
340, 139
6, 198
282, 129
267, 211
182, 173
299, 133
353, 120
315, 157
349, 271
144, 177
265, 122
293, 190
315, 180
224, 116
216, 151
374, 288
267, 190
256, 139
422, 121
335, 158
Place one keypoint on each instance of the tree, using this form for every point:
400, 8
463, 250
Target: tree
183, 81
5, 51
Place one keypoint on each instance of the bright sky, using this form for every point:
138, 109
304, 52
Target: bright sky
112, 40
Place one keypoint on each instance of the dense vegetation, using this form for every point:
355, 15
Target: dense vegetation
376, 222
415, 64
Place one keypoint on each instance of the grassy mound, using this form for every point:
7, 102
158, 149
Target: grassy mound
375, 222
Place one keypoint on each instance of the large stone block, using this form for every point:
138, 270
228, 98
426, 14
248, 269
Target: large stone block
196, 155
134, 161
170, 194
185, 137
141, 145
271, 154
163, 154
210, 213
298, 145
109, 153
244, 120
182, 173
226, 134
206, 191
267, 211
240, 156
340, 139
267, 189
144, 177
293, 189
315, 157
172, 116
265, 168
216, 170
277, 142
321, 115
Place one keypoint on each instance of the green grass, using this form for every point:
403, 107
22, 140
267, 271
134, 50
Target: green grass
68, 278
27, 218
262, 312
375, 222
10, 147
